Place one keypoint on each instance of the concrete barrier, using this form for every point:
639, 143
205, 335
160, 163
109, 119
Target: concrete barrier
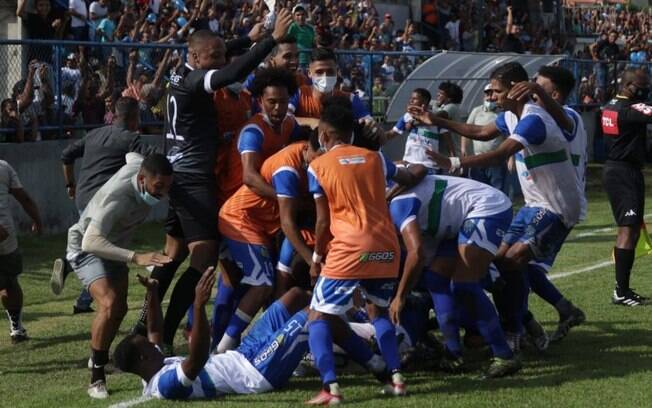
40, 170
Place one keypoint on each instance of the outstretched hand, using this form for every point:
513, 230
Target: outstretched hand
204, 287
441, 160
420, 114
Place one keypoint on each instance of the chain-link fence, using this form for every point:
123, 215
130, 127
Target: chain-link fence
72, 86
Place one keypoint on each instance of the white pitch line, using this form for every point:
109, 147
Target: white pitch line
600, 231
131, 402
581, 270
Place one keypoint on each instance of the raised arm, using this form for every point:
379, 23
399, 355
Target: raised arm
526, 89
475, 132
162, 67
494, 158
200, 337
510, 20
27, 96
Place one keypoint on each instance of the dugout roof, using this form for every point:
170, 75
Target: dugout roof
468, 70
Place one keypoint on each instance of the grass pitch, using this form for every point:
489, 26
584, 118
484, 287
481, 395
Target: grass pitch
606, 361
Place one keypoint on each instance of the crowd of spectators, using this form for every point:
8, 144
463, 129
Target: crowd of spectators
92, 78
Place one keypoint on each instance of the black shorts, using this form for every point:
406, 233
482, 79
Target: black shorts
625, 189
193, 208
11, 265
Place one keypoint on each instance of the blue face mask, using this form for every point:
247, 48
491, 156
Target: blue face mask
147, 197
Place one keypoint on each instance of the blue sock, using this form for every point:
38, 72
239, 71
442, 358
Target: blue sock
444, 304
320, 341
223, 308
542, 286
357, 349
480, 309
386, 338
239, 321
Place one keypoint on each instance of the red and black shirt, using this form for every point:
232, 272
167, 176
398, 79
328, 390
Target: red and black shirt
624, 123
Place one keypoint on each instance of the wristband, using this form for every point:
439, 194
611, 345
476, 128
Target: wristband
455, 163
316, 258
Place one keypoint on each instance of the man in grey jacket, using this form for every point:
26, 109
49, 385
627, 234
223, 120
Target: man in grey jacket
97, 248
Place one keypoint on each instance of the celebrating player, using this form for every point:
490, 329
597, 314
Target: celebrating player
474, 216
348, 184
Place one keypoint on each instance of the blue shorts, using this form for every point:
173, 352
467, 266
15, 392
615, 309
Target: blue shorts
276, 343
254, 260
486, 232
335, 296
541, 229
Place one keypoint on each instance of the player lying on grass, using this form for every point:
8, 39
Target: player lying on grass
474, 216
264, 361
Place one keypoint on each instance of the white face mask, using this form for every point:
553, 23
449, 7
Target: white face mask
324, 84
489, 105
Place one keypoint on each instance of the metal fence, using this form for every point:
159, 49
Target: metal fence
65, 102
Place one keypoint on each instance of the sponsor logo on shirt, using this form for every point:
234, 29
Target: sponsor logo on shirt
643, 108
348, 160
610, 123
378, 256
269, 350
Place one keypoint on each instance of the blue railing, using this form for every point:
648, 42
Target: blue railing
366, 62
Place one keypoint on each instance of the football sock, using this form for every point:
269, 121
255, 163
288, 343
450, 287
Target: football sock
357, 349
481, 310
223, 308
444, 305
239, 321
624, 261
15, 319
386, 339
182, 297
99, 359
541, 285
321, 347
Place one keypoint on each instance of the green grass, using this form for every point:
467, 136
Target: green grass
606, 361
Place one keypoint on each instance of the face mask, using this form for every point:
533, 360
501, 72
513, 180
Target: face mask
489, 105
147, 197
324, 84
235, 87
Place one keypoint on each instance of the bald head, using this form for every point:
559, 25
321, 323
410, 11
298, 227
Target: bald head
635, 84
206, 50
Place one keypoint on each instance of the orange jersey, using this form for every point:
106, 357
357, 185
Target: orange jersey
248, 217
257, 135
232, 112
364, 245
305, 104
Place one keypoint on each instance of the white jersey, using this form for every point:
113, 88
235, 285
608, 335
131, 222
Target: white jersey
545, 171
420, 139
228, 373
8, 181
579, 156
440, 204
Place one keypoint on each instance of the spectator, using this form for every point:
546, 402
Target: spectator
70, 73
454, 29
98, 10
512, 43
483, 115
447, 105
304, 33
78, 23
11, 124
45, 24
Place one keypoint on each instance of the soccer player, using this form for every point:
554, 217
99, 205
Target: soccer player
547, 178
475, 216
348, 184
11, 261
285, 55
558, 83
96, 248
624, 122
420, 138
193, 145
265, 361
249, 221
102, 153
307, 104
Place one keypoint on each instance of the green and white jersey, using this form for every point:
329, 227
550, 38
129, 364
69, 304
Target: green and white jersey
419, 140
545, 171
